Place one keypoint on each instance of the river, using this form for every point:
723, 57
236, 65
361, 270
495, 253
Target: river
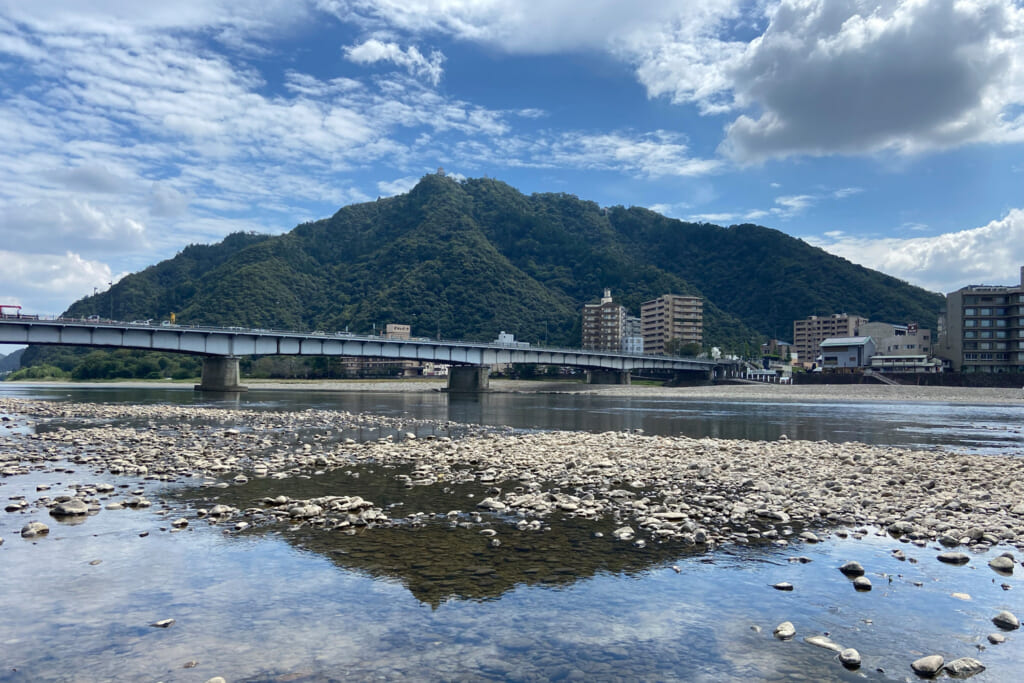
433, 602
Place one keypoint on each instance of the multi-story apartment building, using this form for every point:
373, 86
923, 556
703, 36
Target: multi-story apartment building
983, 328
604, 324
671, 317
810, 332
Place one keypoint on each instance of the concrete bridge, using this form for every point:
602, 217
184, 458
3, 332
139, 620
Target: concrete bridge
221, 347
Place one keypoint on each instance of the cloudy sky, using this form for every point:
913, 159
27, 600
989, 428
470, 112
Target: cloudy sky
890, 133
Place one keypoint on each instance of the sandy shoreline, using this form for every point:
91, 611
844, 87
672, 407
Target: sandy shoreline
855, 393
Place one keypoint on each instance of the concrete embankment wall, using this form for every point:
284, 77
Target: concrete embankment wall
945, 379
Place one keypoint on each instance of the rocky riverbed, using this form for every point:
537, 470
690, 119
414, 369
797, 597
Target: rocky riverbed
694, 494
706, 491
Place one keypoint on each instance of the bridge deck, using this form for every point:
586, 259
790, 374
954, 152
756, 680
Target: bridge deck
233, 341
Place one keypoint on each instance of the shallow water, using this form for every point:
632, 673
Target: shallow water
427, 601
967, 428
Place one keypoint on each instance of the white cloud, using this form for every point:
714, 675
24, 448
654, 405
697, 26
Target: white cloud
534, 26
792, 205
52, 227
48, 282
842, 77
90, 178
656, 154
167, 202
672, 210
397, 186
229, 17
801, 77
991, 254
718, 218
411, 59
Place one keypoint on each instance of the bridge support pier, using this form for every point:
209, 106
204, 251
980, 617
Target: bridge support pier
608, 377
469, 378
220, 373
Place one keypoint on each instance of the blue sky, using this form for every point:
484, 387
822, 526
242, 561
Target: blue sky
890, 133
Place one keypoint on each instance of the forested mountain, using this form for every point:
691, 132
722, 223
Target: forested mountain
12, 361
468, 259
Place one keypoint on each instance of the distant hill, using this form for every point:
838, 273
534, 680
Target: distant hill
468, 259
11, 361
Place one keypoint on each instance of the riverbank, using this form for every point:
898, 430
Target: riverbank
833, 393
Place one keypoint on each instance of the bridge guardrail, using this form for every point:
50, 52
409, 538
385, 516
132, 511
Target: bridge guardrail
105, 322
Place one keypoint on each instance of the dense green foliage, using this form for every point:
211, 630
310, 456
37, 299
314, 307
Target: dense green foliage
468, 259
80, 362
38, 372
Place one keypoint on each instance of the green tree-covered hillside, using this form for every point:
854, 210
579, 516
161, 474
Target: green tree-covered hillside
469, 259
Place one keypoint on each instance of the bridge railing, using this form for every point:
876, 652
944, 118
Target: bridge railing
165, 325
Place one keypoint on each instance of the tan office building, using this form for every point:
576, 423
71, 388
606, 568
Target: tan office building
983, 329
810, 332
671, 316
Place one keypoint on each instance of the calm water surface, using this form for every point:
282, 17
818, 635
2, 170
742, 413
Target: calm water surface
981, 428
434, 603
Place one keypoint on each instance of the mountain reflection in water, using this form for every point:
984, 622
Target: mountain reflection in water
431, 555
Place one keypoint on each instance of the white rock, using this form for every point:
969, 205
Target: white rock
928, 666
849, 658
964, 667
784, 631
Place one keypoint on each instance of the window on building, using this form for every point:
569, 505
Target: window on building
1000, 322
985, 322
970, 334
985, 356
970, 311
970, 356
986, 334
970, 323
986, 311
1000, 334
984, 345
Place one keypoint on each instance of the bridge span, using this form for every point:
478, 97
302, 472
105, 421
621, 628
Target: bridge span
222, 346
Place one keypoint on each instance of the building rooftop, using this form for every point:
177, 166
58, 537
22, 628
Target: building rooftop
845, 341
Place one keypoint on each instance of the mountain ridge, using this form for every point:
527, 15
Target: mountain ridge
467, 259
